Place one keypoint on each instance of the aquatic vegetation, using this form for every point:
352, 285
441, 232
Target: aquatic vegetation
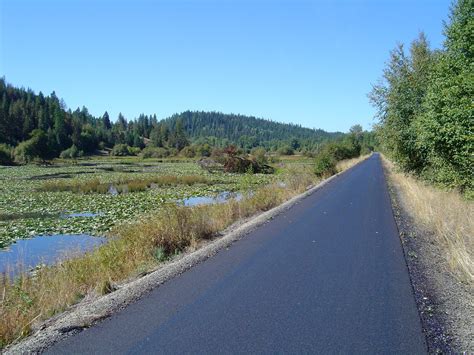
122, 185
34, 199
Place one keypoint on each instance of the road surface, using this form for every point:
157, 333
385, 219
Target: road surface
326, 276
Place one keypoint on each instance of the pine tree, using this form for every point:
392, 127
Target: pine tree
121, 122
106, 121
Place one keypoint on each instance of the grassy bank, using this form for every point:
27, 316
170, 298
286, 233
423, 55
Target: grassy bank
347, 163
446, 214
136, 247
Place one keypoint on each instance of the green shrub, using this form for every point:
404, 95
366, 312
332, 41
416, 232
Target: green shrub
71, 153
121, 150
35, 147
188, 152
274, 159
173, 152
154, 152
6, 154
287, 150
325, 164
341, 150
259, 155
203, 150
24, 153
134, 150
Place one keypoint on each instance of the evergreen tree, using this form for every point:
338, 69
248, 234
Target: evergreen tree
106, 121
164, 133
121, 122
179, 140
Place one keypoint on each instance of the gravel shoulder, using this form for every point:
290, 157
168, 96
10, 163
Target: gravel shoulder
445, 305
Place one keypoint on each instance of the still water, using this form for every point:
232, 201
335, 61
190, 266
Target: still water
25, 254
208, 200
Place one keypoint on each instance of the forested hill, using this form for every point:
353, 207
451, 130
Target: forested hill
244, 130
40, 125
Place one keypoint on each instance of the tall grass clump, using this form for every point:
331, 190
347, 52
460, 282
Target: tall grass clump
125, 185
446, 214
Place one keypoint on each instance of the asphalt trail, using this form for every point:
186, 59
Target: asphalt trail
326, 276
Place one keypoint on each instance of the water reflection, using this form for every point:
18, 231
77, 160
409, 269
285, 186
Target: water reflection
28, 253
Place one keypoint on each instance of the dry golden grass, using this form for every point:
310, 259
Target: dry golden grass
347, 163
445, 213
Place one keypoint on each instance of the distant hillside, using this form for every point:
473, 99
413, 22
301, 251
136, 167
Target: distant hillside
42, 126
246, 131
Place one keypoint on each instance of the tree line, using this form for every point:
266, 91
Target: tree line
35, 126
424, 104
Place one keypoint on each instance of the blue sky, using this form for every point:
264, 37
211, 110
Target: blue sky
306, 62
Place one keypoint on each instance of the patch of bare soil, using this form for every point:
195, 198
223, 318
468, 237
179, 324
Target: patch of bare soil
445, 305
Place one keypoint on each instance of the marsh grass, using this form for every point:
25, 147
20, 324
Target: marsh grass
123, 185
446, 214
26, 215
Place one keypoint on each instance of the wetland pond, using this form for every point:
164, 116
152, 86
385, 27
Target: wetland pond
208, 200
25, 254
47, 205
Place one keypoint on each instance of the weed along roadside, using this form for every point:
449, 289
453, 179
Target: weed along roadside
436, 230
99, 282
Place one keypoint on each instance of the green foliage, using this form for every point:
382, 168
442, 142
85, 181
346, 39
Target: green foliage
22, 111
259, 154
160, 254
325, 164
399, 101
347, 148
425, 107
204, 150
446, 127
71, 153
286, 150
155, 152
33, 197
33, 148
121, 150
134, 150
188, 152
6, 154
247, 132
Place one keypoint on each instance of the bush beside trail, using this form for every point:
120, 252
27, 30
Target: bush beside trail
352, 146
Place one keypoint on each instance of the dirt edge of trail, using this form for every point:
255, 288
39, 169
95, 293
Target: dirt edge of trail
444, 304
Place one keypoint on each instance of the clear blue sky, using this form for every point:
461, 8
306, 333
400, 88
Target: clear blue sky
307, 62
